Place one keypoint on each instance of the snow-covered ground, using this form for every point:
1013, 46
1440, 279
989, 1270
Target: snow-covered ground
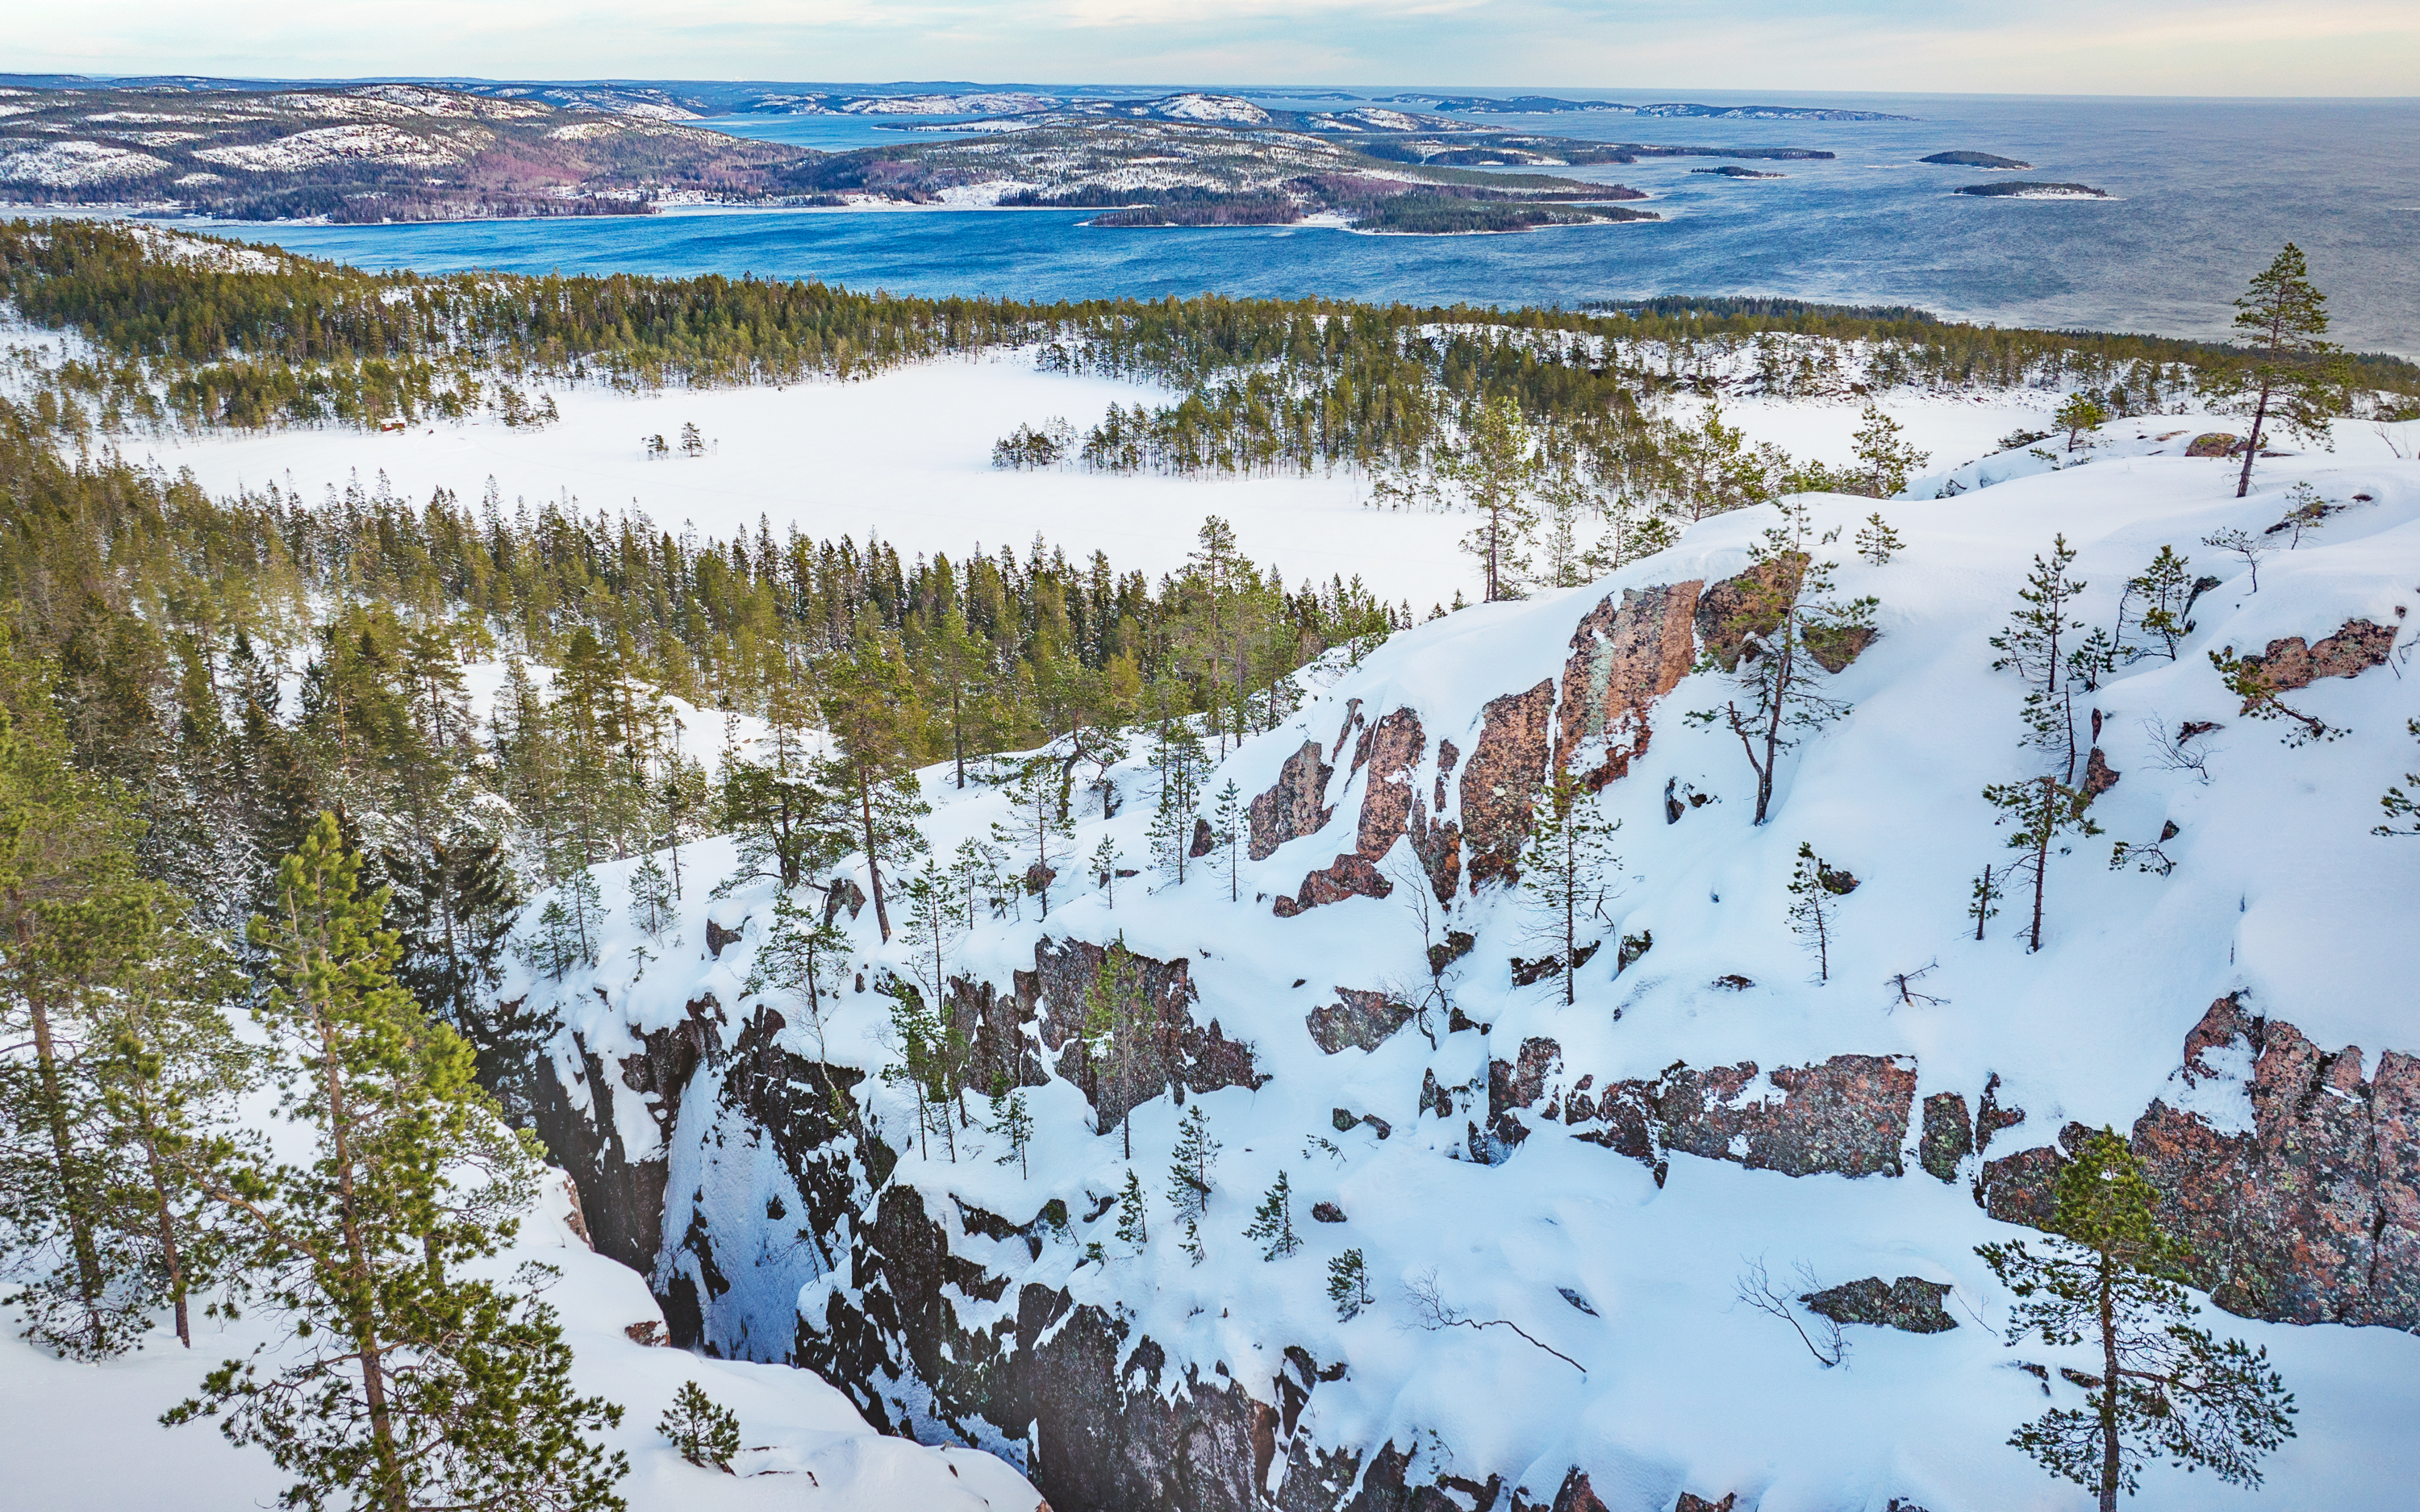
2280, 892
85, 1438
904, 456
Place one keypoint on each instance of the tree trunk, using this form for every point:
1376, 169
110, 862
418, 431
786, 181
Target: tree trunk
2041, 860
2110, 1465
2252, 446
873, 863
87, 1253
366, 1347
169, 1254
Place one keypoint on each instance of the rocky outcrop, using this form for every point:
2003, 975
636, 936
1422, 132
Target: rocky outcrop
1911, 1303
1847, 1115
1501, 781
1625, 654
1291, 808
1390, 810
1168, 1051
2305, 1206
2289, 663
1347, 876
2215, 443
1360, 1020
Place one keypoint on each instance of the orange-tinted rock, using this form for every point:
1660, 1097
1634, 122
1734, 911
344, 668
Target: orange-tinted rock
1624, 656
1501, 781
2288, 664
1347, 876
1736, 608
1392, 749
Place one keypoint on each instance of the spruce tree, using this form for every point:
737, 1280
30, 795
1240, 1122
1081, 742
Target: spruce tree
1190, 1165
2039, 646
1106, 856
1228, 815
1567, 865
2165, 1389
1014, 1123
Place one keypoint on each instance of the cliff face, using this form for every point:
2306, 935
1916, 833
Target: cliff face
1367, 1022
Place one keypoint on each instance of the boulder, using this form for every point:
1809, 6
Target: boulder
1291, 809
1360, 1020
1911, 1303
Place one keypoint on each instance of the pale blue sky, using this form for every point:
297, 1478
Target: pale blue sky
2212, 47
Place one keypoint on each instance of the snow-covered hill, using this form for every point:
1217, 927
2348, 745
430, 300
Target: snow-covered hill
1602, 1174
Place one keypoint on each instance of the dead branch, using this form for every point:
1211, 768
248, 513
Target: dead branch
1431, 1311
1754, 1287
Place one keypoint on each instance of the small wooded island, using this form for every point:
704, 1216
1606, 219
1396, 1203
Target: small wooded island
1733, 170
1974, 159
2027, 188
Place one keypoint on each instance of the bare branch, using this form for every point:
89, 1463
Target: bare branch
1754, 1287
1431, 1311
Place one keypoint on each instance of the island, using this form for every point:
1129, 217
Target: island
1974, 159
1733, 170
2027, 188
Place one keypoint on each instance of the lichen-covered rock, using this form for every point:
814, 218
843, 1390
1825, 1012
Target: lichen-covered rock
1360, 1020
1169, 1049
1847, 1115
1835, 646
1991, 1118
2213, 443
2098, 780
1737, 607
2288, 664
1501, 781
1949, 1135
1291, 808
1625, 654
1910, 1303
1390, 748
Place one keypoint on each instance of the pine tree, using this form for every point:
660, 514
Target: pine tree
2043, 811
1348, 1284
1011, 1121
1877, 542
1227, 819
2165, 1389
1494, 473
1567, 865
403, 1384
2293, 374
2032, 646
1134, 1222
1783, 625
918, 1034
869, 705
1813, 888
1273, 1222
703, 1430
1884, 459
1119, 1023
651, 897
1038, 824
1106, 856
1188, 1171
2079, 412
1178, 758
2158, 597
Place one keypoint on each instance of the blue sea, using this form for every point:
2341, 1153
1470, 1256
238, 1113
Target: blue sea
2204, 194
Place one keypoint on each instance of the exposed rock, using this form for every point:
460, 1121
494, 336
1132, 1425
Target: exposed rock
1390, 748
1171, 1049
1347, 876
2213, 443
844, 892
1346, 1123
1326, 1212
2098, 780
650, 1332
1457, 944
1734, 982
1737, 607
1501, 781
1530, 973
1624, 656
1991, 1118
1911, 1303
717, 937
1698, 1503
1203, 840
1364, 1020
2288, 664
1038, 878
1949, 1135
1835, 646
1290, 808
1848, 1114
2311, 1214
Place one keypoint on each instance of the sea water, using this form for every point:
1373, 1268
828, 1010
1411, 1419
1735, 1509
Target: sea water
2203, 193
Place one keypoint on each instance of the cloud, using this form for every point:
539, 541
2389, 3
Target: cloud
2318, 47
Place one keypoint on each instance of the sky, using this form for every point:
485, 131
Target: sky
2059, 47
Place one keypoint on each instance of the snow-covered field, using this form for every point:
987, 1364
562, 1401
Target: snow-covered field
904, 456
2280, 892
